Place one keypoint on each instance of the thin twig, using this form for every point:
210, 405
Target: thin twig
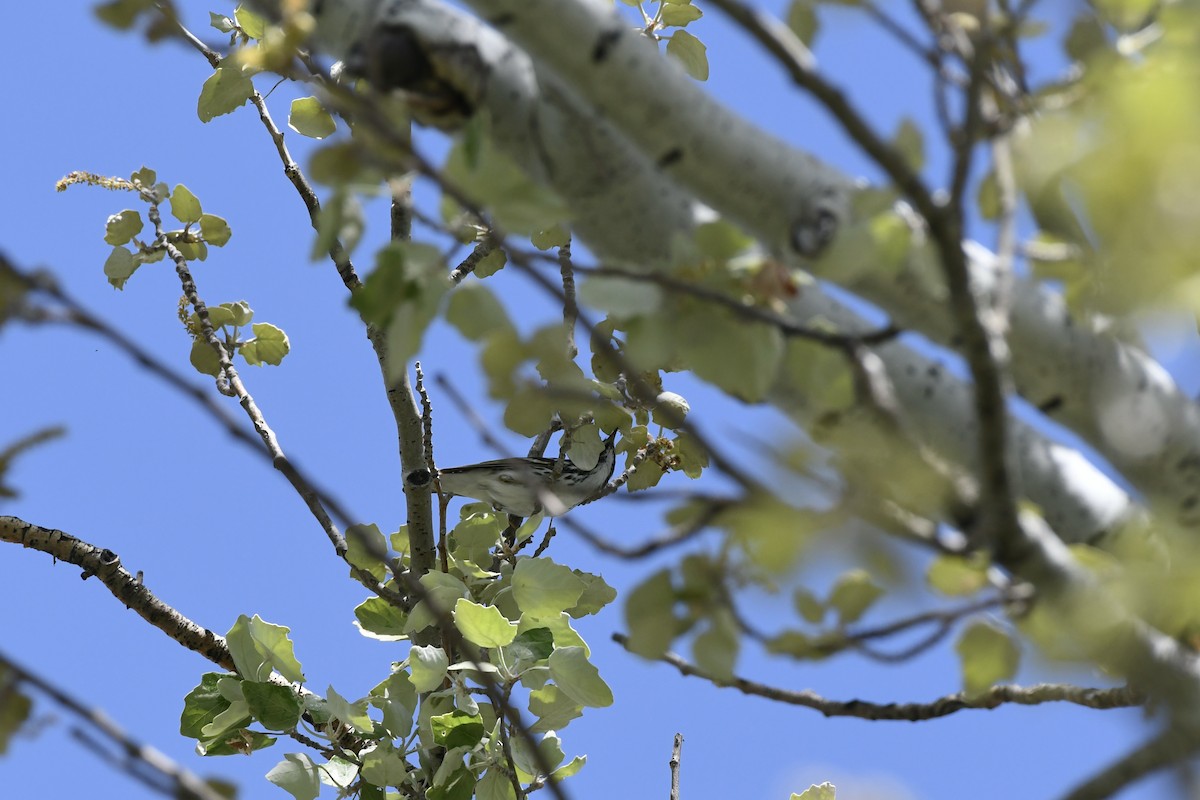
399, 394
675, 535
467, 266
179, 782
570, 307
983, 347
676, 752
1167, 749
754, 313
913, 712
105, 565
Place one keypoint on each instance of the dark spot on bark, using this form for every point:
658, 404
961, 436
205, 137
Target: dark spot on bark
390, 58
1050, 405
418, 477
811, 235
604, 44
672, 156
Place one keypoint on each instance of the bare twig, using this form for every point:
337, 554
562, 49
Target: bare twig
126, 587
982, 346
913, 712
77, 314
476, 421
1165, 750
753, 313
400, 395
165, 776
676, 751
570, 307
675, 535
468, 264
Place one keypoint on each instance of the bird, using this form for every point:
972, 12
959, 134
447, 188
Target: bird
524, 486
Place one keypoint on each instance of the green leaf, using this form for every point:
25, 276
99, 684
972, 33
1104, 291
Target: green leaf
456, 729
119, 266
233, 718
309, 118
340, 773
397, 698
675, 15
269, 346
650, 616
553, 707
818, 791
572, 767
202, 705
716, 649
475, 312
555, 236
620, 297
988, 655
275, 706
691, 52
352, 714
297, 775
122, 14
442, 591
528, 648
490, 264
342, 164
404, 293
184, 205
221, 22
740, 357
754, 524
379, 619
383, 765
251, 24
987, 196
428, 664
363, 544
802, 19
576, 676
910, 143
543, 588
808, 606
596, 595
494, 180
204, 358
459, 784
720, 240
14, 711
853, 594
226, 90
527, 761
956, 576
121, 227
494, 785
258, 647
215, 230
483, 625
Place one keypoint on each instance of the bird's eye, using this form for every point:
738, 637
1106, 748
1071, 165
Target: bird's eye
504, 477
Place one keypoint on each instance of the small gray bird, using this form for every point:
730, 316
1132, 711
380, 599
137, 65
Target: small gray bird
525, 486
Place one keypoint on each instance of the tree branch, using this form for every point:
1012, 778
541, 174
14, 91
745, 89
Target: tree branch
128, 588
167, 777
914, 712
1165, 750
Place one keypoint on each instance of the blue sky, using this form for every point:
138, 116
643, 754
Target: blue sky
217, 533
